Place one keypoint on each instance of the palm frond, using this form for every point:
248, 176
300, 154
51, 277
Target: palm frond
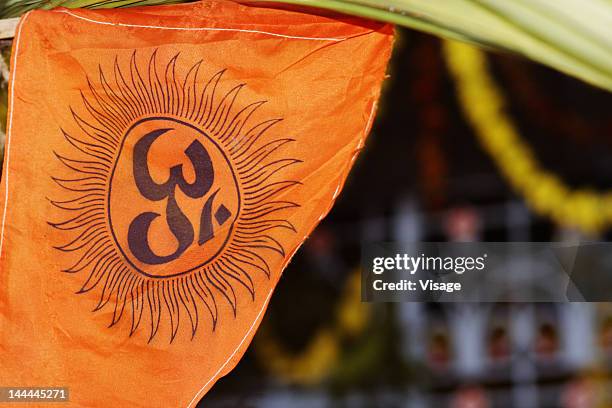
573, 36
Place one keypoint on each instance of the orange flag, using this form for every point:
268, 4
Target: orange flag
162, 166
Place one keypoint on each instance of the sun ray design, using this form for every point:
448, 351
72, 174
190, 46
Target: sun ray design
128, 110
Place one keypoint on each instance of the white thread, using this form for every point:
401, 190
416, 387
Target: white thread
293, 37
359, 146
337, 191
360, 143
9, 133
368, 126
235, 351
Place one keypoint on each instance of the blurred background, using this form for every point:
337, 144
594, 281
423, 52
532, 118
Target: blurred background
425, 176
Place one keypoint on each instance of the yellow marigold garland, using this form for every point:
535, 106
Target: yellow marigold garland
320, 356
485, 109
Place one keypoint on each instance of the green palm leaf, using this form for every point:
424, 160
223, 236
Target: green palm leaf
573, 36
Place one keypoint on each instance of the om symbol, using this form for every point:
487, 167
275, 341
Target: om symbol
179, 224
192, 192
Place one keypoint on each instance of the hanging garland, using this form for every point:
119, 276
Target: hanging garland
321, 355
485, 109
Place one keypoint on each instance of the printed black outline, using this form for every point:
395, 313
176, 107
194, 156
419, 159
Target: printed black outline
110, 187
112, 109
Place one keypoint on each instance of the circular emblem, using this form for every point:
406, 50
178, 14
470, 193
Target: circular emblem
189, 191
174, 194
